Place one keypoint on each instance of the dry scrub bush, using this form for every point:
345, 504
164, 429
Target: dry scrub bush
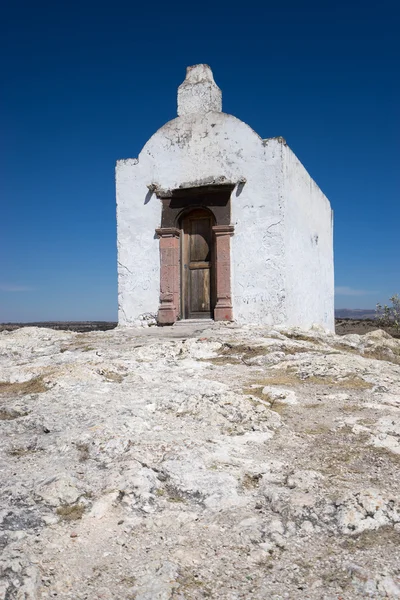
389, 316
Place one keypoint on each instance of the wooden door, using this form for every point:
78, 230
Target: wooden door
197, 267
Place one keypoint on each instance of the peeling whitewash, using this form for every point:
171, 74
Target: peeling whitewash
282, 248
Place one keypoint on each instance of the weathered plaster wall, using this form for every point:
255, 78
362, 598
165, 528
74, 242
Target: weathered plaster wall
190, 149
308, 247
138, 214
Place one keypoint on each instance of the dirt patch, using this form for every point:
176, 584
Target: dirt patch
71, 512
84, 452
33, 386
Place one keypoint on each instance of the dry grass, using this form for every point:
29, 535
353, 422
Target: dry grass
190, 583
386, 454
10, 415
297, 350
33, 386
302, 337
378, 353
352, 408
129, 581
346, 452
74, 346
242, 353
382, 354
237, 353
18, 452
285, 378
384, 536
220, 360
351, 381
288, 378
250, 482
71, 512
174, 495
256, 397
112, 376
256, 392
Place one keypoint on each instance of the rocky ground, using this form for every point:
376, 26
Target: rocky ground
227, 463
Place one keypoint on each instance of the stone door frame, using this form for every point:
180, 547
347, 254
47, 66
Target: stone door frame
175, 204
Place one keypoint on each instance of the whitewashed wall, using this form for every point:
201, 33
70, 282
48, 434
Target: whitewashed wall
308, 248
138, 215
258, 283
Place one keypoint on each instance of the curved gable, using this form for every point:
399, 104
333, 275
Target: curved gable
196, 146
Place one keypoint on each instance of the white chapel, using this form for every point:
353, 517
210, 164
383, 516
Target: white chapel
215, 222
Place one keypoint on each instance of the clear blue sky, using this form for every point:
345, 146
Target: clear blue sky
86, 83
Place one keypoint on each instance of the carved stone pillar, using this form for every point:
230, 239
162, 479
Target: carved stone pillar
223, 306
168, 310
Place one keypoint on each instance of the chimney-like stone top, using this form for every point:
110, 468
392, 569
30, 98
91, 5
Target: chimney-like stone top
199, 93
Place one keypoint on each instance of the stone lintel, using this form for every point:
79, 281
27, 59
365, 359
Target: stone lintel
207, 185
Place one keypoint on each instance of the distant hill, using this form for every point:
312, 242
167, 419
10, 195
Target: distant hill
355, 313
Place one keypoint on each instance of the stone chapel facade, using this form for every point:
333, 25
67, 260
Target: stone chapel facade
215, 222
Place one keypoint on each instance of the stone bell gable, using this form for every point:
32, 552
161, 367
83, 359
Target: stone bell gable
215, 222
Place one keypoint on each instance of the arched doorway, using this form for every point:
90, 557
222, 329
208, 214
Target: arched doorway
197, 265
195, 256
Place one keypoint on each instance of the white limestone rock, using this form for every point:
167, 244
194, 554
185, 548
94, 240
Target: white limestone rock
59, 490
366, 510
187, 484
280, 394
